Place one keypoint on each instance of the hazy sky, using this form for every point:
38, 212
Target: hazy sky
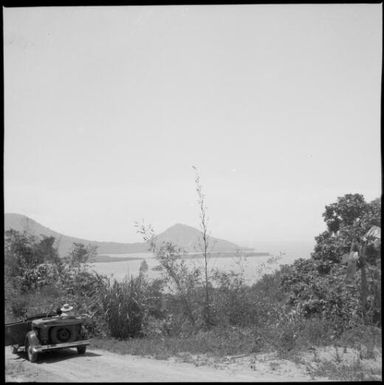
108, 108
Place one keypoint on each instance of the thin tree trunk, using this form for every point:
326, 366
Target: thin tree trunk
207, 303
204, 231
184, 297
364, 284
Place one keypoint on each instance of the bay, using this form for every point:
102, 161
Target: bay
251, 267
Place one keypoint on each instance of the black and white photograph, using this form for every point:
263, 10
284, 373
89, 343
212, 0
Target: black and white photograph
192, 193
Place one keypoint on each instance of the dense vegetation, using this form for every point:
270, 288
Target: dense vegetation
333, 295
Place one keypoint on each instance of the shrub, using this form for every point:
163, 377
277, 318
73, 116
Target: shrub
19, 307
324, 296
315, 332
124, 307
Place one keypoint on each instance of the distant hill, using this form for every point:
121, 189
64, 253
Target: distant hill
190, 239
183, 236
64, 242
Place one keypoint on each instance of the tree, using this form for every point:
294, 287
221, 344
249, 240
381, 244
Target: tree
204, 246
344, 212
181, 280
80, 254
30, 263
348, 239
18, 253
143, 267
47, 251
25, 252
347, 221
364, 253
314, 294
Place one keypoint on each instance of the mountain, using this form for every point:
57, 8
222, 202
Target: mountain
191, 240
64, 242
183, 236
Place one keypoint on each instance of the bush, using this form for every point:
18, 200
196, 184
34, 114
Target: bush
368, 336
237, 304
124, 307
19, 307
315, 332
324, 296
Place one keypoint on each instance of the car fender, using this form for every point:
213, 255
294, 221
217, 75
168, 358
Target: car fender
83, 332
32, 338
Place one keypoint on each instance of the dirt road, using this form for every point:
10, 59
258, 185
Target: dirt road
103, 366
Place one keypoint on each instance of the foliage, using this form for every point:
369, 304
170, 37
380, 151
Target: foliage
39, 276
344, 212
143, 267
25, 252
216, 342
347, 221
128, 305
312, 301
207, 311
183, 283
37, 281
181, 280
80, 255
315, 294
323, 287
230, 303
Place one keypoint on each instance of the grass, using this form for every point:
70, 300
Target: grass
363, 336
219, 343
354, 371
227, 341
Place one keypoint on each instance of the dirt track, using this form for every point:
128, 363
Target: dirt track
103, 366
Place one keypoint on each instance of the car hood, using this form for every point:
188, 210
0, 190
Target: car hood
56, 321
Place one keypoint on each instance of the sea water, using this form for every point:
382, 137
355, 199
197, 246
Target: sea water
252, 268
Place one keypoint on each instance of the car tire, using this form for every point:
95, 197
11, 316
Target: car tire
81, 349
31, 355
60, 334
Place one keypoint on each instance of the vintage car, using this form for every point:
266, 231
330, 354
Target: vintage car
45, 332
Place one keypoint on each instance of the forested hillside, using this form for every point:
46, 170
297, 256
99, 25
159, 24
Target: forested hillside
184, 236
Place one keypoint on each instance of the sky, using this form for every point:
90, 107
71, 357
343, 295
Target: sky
108, 108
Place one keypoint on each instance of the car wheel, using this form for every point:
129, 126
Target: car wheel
61, 334
81, 349
32, 356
